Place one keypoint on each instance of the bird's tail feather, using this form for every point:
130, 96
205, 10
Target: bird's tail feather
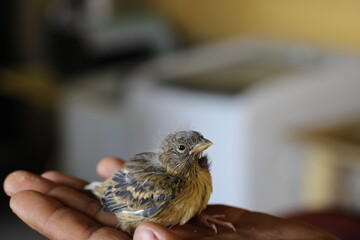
96, 188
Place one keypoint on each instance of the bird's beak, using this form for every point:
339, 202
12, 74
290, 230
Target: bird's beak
200, 147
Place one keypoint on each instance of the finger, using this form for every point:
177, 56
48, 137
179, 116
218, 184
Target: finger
267, 226
108, 166
61, 178
22, 180
153, 231
54, 220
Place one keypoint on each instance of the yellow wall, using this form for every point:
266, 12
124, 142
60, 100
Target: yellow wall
327, 22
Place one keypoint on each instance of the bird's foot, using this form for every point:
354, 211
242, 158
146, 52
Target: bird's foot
213, 220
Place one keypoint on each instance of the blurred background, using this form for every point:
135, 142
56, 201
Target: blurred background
275, 85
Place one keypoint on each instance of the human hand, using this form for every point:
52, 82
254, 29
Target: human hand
55, 205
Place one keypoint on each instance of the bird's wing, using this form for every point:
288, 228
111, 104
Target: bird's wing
140, 189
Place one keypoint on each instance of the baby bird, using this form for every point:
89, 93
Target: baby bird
168, 187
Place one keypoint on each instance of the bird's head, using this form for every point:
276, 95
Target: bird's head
181, 152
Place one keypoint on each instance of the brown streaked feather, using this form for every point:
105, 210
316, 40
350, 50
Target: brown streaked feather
140, 188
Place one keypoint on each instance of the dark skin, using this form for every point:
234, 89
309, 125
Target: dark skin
55, 205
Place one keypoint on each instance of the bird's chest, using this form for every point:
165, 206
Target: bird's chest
193, 197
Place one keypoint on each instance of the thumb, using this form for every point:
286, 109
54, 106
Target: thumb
153, 231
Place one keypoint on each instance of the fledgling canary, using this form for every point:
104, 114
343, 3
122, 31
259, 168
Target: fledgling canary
168, 187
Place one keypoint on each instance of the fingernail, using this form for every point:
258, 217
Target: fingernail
19, 176
10, 180
145, 234
149, 235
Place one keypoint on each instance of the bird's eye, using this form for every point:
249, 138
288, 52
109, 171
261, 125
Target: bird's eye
181, 148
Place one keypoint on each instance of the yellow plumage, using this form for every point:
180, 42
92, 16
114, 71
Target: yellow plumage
169, 187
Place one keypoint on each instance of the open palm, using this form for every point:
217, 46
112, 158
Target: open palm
55, 205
